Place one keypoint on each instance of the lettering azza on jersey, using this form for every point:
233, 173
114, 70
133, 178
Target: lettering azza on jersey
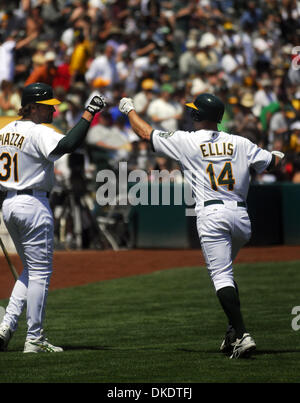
214, 149
12, 139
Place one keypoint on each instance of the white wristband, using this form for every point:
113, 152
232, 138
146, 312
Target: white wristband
278, 154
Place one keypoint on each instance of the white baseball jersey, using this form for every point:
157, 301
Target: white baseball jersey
25, 160
215, 164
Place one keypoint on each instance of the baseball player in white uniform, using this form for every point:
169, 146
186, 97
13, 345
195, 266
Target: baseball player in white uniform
217, 167
28, 150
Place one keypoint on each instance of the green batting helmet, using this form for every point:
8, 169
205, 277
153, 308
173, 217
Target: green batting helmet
207, 107
40, 93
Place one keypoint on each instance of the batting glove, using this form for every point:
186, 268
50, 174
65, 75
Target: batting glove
126, 105
96, 104
278, 154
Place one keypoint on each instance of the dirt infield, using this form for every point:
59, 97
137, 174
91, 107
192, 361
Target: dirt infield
81, 267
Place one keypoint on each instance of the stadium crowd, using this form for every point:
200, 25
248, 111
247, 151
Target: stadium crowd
162, 54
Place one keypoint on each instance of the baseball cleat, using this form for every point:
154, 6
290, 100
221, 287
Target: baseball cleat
243, 347
40, 345
5, 336
229, 341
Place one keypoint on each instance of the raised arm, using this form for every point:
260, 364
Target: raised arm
277, 156
139, 126
75, 137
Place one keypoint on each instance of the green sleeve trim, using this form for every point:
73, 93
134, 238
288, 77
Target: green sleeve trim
272, 163
73, 139
151, 141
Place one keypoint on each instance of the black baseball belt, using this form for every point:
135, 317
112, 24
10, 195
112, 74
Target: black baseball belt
32, 192
209, 202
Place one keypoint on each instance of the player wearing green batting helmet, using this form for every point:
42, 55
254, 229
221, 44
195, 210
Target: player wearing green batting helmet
207, 107
40, 93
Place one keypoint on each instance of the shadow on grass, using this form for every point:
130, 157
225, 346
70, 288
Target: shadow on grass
283, 351
256, 352
72, 348
184, 350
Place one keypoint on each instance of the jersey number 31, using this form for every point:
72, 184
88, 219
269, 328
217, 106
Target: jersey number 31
224, 179
10, 164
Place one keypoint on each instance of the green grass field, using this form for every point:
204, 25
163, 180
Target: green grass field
165, 327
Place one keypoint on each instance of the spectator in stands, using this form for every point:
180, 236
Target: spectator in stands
163, 111
8, 48
233, 64
247, 45
103, 66
231, 37
74, 111
280, 121
289, 13
79, 58
246, 123
7, 65
183, 13
263, 47
206, 55
295, 137
34, 22
141, 156
252, 16
143, 98
62, 77
125, 71
10, 99
44, 73
129, 42
264, 96
105, 140
188, 62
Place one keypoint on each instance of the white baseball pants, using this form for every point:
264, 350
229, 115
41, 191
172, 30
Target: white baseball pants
223, 229
29, 222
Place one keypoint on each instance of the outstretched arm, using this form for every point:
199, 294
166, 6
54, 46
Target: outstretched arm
75, 137
139, 126
277, 156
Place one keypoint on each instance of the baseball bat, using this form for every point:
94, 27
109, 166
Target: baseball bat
11, 266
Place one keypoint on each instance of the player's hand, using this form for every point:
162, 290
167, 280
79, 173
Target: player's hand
126, 105
278, 154
96, 104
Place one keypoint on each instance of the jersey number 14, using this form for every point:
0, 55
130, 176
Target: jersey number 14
10, 165
224, 179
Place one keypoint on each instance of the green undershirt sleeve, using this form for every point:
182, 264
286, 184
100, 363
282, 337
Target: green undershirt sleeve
151, 141
73, 139
272, 163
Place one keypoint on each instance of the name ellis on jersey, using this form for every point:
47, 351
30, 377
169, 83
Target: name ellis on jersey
216, 149
12, 139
